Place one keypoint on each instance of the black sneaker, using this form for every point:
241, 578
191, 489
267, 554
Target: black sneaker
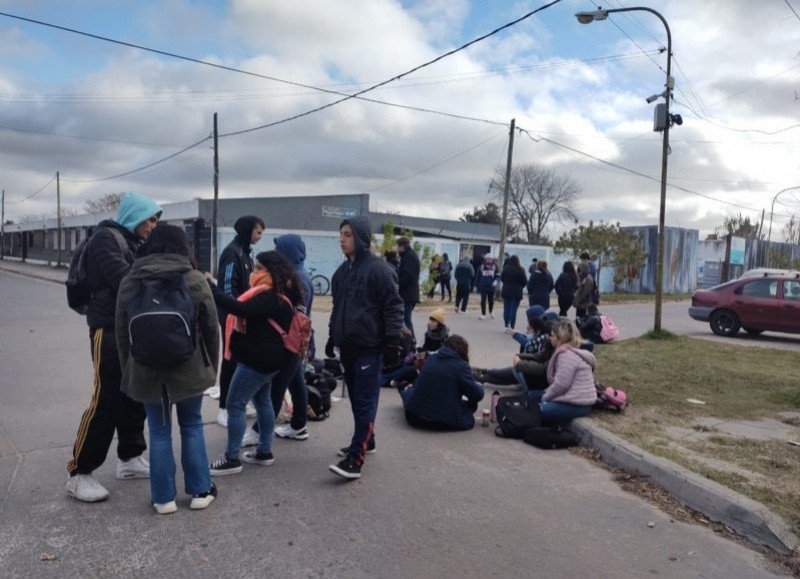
258, 457
345, 450
347, 468
202, 500
223, 465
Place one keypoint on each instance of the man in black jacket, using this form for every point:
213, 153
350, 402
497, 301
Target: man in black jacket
408, 274
109, 255
234, 269
366, 324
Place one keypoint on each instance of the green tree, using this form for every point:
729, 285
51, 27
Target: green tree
610, 245
738, 226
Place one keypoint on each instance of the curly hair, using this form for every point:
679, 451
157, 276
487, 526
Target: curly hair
166, 238
284, 277
459, 345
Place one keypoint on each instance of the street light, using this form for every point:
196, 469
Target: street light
771, 211
589, 17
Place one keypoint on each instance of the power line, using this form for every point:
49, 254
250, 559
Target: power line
35, 193
792, 9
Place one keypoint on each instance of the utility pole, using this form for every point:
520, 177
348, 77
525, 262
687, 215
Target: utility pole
58, 208
216, 198
506, 190
3, 227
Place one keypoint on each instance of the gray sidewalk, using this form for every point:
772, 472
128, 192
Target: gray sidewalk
490, 347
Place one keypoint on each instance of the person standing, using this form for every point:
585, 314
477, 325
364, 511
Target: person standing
565, 286
465, 276
433, 274
540, 285
486, 279
234, 269
366, 325
408, 275
532, 266
583, 295
587, 259
445, 273
109, 255
168, 252
513, 279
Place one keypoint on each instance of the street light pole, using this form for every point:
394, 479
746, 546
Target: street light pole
771, 211
588, 17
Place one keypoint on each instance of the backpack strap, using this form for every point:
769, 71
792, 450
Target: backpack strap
123, 243
275, 324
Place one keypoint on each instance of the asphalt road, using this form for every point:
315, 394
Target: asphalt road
428, 505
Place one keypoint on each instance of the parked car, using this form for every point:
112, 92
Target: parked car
765, 271
756, 304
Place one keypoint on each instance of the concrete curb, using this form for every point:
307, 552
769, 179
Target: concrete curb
31, 272
745, 516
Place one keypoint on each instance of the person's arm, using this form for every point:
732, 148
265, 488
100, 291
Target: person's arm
467, 384
108, 258
230, 278
208, 325
392, 305
563, 377
263, 305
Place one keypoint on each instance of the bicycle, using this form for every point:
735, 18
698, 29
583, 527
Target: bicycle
319, 282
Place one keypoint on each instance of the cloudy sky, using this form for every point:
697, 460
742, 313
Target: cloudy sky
94, 110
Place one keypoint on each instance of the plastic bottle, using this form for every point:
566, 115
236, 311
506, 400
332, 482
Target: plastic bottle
493, 412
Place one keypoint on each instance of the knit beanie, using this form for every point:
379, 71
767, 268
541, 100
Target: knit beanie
439, 315
534, 312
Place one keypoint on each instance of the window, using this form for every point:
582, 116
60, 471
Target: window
791, 290
761, 288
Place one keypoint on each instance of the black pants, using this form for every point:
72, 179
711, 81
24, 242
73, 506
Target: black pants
487, 295
109, 410
462, 297
564, 304
226, 368
445, 282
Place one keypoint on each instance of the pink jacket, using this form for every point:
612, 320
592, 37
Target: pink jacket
570, 374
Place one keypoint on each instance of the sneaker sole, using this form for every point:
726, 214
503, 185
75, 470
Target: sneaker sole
200, 504
343, 473
166, 509
290, 437
132, 475
254, 460
227, 471
87, 499
342, 453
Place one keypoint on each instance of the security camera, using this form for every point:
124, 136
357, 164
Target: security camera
652, 98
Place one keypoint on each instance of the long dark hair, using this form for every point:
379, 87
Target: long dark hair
459, 345
166, 238
569, 269
284, 277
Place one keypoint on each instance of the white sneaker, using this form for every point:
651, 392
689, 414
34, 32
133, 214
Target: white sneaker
222, 418
491, 316
201, 501
165, 508
136, 467
481, 317
286, 431
250, 410
84, 488
250, 438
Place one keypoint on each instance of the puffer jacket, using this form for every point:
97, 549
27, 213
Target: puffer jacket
143, 383
570, 375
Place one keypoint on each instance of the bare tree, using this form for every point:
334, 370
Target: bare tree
108, 202
537, 198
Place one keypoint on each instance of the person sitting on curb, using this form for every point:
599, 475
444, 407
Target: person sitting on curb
571, 391
436, 401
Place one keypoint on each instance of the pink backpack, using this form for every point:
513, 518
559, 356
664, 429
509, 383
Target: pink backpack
609, 331
609, 398
296, 340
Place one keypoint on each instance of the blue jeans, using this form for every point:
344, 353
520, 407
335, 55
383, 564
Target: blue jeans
361, 376
557, 412
196, 475
291, 376
510, 307
246, 384
407, 309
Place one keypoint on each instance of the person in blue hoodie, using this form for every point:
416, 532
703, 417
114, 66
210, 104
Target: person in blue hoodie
109, 256
293, 248
436, 400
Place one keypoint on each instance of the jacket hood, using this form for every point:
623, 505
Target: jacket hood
135, 209
585, 355
244, 229
156, 263
362, 233
293, 248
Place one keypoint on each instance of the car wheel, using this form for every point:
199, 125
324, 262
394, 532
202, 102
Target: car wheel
724, 323
753, 331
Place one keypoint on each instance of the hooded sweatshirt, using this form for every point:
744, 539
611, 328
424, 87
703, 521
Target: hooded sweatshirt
367, 313
293, 248
143, 383
235, 262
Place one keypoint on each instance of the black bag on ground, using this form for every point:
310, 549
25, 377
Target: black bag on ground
550, 437
333, 366
515, 415
320, 386
161, 322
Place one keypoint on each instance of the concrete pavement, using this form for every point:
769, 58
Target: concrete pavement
479, 503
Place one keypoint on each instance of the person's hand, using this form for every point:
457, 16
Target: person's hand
329, 351
391, 355
209, 278
515, 361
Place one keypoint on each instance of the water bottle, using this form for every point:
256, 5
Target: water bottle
493, 412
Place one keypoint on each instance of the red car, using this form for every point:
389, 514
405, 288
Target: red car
771, 302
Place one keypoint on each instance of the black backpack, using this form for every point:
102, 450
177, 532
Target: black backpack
161, 321
515, 415
320, 386
549, 437
79, 293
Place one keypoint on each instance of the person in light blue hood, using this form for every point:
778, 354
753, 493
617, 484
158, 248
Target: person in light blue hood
293, 248
134, 210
